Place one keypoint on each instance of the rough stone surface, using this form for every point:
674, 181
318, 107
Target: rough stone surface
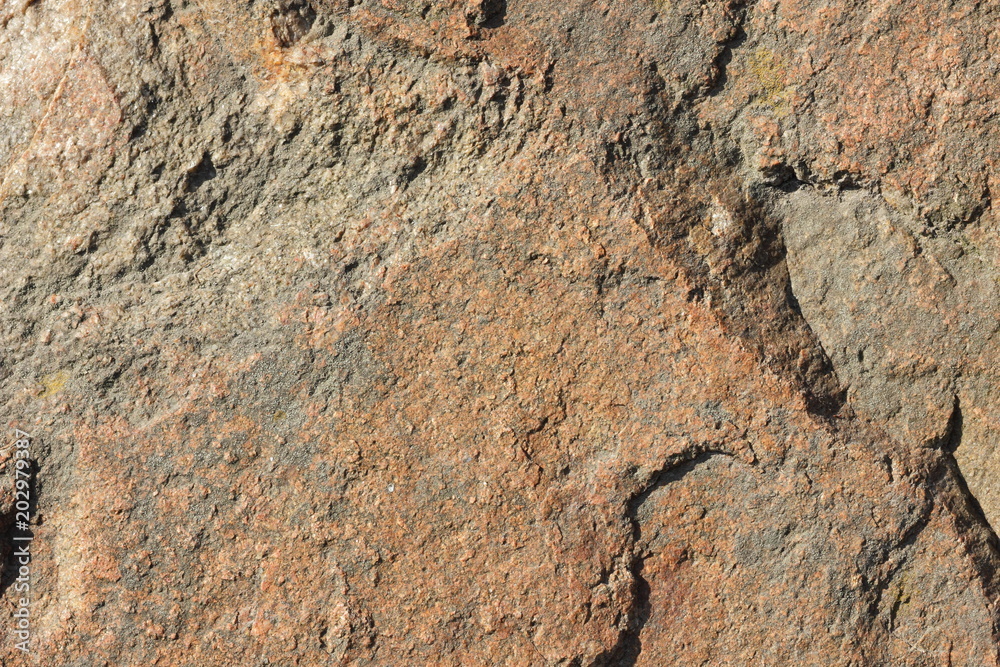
383, 332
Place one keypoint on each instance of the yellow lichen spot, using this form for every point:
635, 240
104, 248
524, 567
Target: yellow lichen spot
280, 415
902, 596
769, 72
53, 384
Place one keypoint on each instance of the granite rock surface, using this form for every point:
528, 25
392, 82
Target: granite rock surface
486, 332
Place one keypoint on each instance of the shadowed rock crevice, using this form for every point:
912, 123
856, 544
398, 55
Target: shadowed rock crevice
726, 235
741, 9
841, 245
627, 650
291, 20
952, 472
729, 241
979, 536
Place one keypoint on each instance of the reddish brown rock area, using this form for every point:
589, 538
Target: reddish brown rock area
384, 332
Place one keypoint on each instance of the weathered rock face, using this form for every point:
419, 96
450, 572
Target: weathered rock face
397, 333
